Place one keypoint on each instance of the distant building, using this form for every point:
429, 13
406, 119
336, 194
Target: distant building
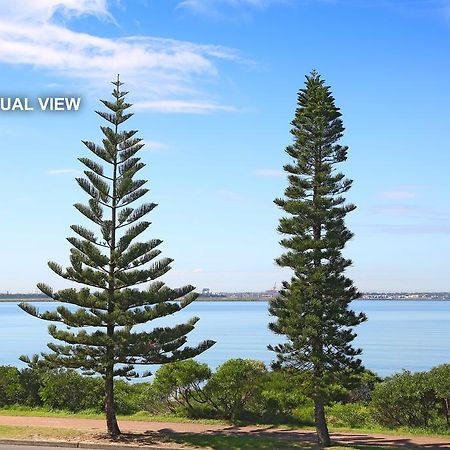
271, 292
206, 292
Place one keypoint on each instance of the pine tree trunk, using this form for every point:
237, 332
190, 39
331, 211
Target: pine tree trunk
110, 407
323, 435
111, 421
447, 411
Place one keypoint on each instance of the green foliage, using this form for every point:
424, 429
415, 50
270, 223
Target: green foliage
151, 401
99, 336
304, 414
239, 389
235, 385
352, 415
30, 380
129, 396
10, 386
404, 399
68, 390
312, 310
180, 383
439, 378
364, 384
280, 394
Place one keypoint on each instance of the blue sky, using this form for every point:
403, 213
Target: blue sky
214, 84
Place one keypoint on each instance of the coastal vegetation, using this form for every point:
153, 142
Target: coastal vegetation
100, 337
312, 310
239, 391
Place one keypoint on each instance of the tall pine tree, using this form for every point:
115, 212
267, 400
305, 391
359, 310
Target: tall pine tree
312, 310
100, 337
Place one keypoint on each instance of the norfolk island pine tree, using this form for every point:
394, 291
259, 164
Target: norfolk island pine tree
111, 267
312, 309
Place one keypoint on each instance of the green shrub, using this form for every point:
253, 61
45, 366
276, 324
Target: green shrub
304, 414
151, 401
11, 391
234, 386
31, 381
280, 394
363, 387
180, 384
128, 396
352, 415
68, 390
405, 399
440, 382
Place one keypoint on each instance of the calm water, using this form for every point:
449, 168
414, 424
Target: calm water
412, 335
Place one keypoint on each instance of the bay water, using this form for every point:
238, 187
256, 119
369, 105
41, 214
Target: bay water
413, 335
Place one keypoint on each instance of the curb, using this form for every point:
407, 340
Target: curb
85, 445
38, 443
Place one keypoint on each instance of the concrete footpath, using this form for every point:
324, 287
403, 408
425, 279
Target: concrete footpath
141, 427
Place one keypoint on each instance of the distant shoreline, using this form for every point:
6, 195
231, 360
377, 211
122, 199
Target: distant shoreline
241, 299
25, 299
366, 299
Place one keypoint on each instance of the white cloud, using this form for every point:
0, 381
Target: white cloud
396, 210
407, 229
44, 10
169, 74
181, 106
398, 194
154, 145
214, 7
63, 172
207, 6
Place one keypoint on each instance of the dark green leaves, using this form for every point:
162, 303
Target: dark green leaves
130, 235
138, 213
109, 263
313, 309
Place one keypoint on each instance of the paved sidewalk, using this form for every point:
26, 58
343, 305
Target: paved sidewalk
128, 426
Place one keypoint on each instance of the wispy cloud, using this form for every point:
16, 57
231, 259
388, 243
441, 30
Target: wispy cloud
171, 75
181, 106
63, 172
220, 7
235, 3
394, 210
411, 229
212, 7
398, 194
409, 218
268, 173
44, 10
155, 146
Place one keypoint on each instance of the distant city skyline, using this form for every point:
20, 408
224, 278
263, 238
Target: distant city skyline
214, 85
212, 293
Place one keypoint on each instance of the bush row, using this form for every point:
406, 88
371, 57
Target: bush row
240, 389
414, 400
64, 390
